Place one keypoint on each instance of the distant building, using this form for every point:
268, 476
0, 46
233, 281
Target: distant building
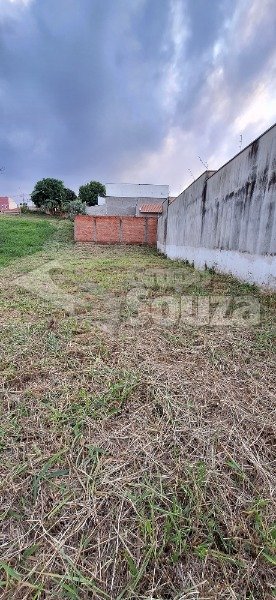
128, 199
8, 205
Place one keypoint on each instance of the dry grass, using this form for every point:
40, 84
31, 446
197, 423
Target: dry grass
137, 460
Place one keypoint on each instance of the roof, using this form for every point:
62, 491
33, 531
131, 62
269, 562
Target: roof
151, 208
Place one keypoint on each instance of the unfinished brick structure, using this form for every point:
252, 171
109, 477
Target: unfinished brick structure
115, 229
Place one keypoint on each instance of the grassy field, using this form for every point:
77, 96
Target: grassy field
19, 236
136, 442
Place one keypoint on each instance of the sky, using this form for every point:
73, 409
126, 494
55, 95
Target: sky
131, 90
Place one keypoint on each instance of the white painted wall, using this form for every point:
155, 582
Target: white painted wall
12, 204
137, 190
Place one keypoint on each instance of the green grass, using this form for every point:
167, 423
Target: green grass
136, 456
22, 236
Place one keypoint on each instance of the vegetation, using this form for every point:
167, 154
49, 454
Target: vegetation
89, 192
24, 208
137, 457
22, 236
70, 196
49, 194
52, 197
76, 207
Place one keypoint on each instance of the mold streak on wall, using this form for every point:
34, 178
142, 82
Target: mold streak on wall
227, 219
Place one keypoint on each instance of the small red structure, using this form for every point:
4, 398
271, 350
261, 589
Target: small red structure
4, 203
7, 205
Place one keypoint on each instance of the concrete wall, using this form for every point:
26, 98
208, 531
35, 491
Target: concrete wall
113, 206
227, 220
115, 229
96, 210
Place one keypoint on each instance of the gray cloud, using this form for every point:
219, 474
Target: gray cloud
86, 86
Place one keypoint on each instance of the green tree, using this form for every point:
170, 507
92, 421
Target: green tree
70, 195
49, 194
89, 192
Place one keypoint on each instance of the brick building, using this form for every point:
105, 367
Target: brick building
7, 205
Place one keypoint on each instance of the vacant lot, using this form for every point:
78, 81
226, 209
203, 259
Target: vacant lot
136, 433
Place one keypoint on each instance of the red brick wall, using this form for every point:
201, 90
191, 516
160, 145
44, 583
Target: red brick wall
115, 230
107, 229
133, 230
83, 229
151, 230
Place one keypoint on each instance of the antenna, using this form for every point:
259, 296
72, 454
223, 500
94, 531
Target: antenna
23, 197
191, 174
240, 145
205, 164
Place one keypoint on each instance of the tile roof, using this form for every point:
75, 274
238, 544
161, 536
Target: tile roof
151, 208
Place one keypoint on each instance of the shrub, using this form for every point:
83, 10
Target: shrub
76, 207
24, 208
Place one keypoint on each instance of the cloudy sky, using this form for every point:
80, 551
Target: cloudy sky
131, 90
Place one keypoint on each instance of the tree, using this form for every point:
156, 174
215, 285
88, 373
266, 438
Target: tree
49, 194
70, 195
89, 192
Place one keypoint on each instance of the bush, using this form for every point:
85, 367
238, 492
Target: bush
24, 208
76, 207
